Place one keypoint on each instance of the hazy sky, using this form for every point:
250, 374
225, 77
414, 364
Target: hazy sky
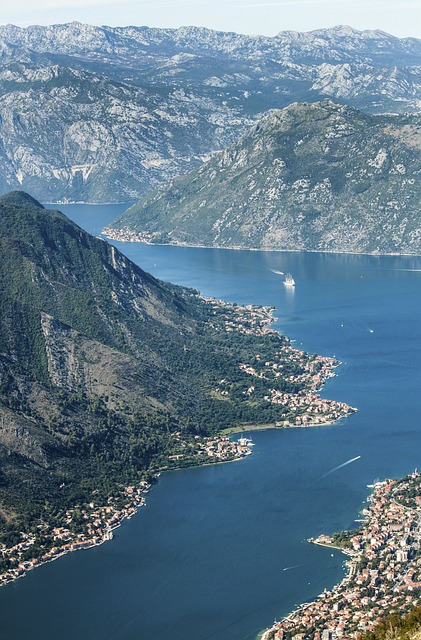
401, 18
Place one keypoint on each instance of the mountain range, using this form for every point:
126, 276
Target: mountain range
313, 176
102, 114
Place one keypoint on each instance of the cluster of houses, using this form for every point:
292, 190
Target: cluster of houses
217, 448
248, 319
127, 235
224, 449
384, 570
310, 408
98, 523
311, 372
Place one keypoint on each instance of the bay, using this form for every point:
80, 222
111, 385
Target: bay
220, 551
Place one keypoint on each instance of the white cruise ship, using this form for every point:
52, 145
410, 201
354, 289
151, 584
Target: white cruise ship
289, 280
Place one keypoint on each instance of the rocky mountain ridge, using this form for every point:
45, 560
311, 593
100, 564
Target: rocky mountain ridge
331, 44
105, 114
315, 177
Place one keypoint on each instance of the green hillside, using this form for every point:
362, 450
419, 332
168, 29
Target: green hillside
107, 374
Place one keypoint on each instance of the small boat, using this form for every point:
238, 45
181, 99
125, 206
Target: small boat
289, 280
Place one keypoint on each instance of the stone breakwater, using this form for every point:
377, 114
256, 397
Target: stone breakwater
384, 569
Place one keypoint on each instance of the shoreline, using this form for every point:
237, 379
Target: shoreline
383, 569
237, 450
83, 544
90, 204
87, 525
265, 249
268, 427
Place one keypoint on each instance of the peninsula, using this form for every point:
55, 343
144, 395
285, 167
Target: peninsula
384, 569
109, 376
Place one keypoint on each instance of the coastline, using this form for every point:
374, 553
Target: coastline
81, 543
241, 248
267, 427
116, 519
384, 569
242, 449
257, 427
219, 450
86, 525
90, 204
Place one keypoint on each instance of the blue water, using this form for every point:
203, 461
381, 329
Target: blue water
220, 551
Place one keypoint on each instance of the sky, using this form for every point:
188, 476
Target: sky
267, 17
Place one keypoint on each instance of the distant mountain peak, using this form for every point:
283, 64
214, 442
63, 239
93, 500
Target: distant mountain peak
339, 30
100, 114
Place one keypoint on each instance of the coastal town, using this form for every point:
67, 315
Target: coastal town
127, 235
383, 569
91, 525
296, 375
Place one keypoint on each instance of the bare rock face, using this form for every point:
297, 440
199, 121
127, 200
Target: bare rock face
313, 176
101, 114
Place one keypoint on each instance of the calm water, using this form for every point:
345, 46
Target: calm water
219, 552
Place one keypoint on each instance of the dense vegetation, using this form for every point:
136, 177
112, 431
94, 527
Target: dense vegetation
342, 539
101, 365
397, 627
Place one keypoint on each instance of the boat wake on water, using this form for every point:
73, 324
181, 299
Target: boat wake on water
340, 466
296, 566
396, 269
